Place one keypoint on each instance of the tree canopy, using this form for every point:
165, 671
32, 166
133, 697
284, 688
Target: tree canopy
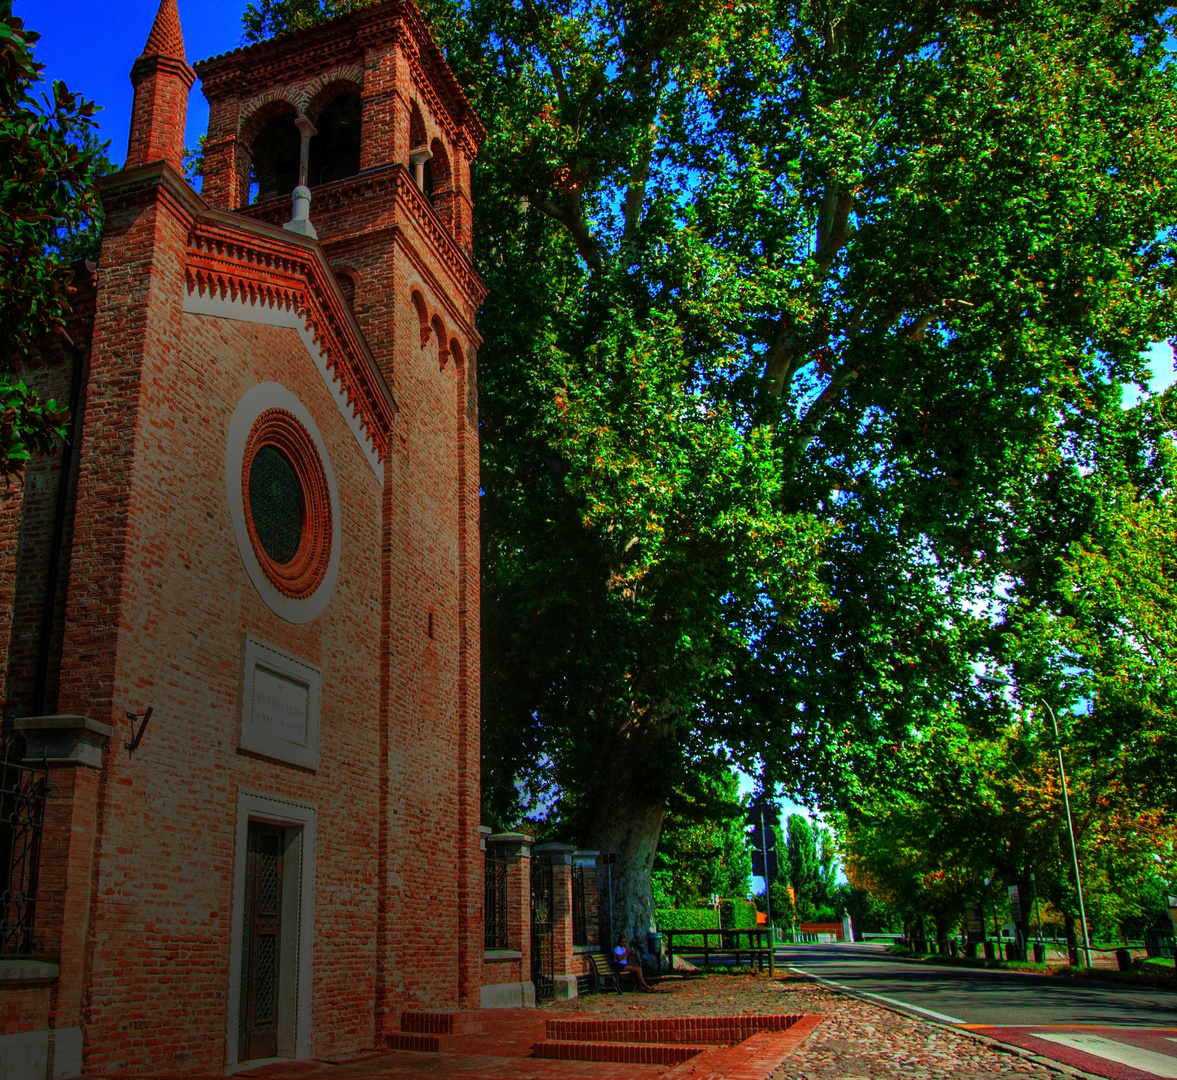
45, 175
801, 381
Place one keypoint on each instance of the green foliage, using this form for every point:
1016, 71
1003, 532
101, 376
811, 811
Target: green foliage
702, 851
969, 806
81, 238
805, 868
272, 17
698, 918
28, 425
738, 914
45, 168
869, 913
734, 914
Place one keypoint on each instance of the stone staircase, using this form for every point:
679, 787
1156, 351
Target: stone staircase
435, 1031
652, 1040
723, 1045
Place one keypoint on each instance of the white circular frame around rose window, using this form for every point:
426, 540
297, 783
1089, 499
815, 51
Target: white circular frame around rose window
270, 415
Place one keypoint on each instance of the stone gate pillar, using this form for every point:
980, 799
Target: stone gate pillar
560, 857
72, 748
507, 971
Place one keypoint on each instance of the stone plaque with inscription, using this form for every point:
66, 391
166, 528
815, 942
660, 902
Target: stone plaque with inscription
280, 706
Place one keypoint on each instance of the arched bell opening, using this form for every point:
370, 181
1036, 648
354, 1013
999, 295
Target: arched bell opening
440, 163
335, 150
274, 157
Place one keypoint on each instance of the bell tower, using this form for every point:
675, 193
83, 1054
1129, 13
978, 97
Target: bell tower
356, 133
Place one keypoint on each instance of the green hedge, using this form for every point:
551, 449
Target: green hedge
734, 915
685, 918
739, 914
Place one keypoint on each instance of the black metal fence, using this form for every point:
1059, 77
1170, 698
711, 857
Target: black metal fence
23, 790
579, 922
495, 902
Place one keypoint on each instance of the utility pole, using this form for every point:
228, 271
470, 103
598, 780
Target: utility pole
990, 680
767, 878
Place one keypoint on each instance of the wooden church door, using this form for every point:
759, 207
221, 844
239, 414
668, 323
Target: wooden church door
263, 915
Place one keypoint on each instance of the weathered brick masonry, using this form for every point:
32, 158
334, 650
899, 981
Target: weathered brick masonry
290, 858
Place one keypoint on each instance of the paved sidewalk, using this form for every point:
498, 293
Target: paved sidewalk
504, 1049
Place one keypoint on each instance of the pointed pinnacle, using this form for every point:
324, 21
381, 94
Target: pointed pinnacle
165, 38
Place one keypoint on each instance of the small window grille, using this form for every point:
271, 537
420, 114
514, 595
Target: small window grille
579, 922
23, 790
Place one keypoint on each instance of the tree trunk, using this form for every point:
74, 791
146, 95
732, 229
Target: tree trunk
1072, 942
942, 935
627, 823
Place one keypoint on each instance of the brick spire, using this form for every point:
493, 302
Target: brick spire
162, 79
165, 38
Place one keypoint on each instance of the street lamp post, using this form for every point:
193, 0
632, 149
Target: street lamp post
990, 680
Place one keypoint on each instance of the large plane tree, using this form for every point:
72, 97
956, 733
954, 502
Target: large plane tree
806, 321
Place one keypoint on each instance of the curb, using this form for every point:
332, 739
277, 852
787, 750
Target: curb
914, 1014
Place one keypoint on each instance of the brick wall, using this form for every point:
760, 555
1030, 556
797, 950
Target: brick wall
158, 602
24, 1008
188, 605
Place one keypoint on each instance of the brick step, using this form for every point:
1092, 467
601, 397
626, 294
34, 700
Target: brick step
694, 1030
415, 1040
634, 1053
444, 1022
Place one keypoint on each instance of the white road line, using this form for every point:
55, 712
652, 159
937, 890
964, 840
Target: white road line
879, 997
1122, 1053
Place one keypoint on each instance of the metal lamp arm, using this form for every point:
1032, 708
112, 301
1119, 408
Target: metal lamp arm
1062, 772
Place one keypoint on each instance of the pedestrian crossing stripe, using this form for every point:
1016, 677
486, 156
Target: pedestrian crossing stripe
1135, 1057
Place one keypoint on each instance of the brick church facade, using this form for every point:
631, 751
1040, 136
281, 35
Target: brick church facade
239, 612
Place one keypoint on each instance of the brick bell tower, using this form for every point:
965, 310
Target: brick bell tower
327, 264
357, 134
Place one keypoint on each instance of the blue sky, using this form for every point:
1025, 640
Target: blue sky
92, 47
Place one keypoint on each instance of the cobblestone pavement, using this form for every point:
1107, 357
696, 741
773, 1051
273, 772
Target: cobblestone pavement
861, 1040
858, 1039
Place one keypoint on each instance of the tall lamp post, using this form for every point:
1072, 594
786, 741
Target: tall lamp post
990, 680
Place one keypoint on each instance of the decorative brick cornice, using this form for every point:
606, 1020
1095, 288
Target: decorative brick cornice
237, 259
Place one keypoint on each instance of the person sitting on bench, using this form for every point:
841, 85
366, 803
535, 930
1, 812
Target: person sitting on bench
623, 958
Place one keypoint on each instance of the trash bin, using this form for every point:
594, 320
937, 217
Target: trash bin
990, 952
1039, 953
1123, 959
654, 947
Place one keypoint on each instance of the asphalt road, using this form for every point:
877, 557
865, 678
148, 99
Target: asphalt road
958, 995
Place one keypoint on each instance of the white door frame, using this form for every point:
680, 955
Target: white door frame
254, 807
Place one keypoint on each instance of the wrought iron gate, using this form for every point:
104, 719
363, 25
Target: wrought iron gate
23, 790
543, 952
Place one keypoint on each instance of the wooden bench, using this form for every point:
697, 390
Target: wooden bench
607, 976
